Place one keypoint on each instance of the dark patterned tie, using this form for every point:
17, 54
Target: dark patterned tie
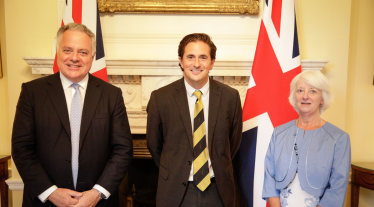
201, 174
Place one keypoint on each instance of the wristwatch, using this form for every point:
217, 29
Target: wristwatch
101, 195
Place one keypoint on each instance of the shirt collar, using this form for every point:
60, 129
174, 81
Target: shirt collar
66, 83
204, 90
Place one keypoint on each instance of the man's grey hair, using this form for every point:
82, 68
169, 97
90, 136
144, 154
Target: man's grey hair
317, 80
76, 27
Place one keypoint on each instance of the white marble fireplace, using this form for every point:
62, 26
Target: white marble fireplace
138, 78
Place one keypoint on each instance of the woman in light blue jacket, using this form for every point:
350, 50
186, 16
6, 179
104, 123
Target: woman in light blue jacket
308, 159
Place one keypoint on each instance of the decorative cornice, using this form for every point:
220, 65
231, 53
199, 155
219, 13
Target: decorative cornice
137, 114
15, 184
139, 127
124, 79
44, 65
313, 64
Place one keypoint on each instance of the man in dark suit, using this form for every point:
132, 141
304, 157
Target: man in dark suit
194, 130
71, 138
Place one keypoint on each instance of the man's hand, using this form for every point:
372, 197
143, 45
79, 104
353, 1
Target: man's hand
64, 197
89, 199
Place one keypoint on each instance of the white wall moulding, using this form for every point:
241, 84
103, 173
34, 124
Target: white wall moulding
44, 66
138, 78
15, 184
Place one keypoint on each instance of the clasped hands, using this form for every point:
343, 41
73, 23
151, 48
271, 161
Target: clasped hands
64, 197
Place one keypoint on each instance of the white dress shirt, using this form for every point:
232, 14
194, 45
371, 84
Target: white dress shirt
191, 105
69, 93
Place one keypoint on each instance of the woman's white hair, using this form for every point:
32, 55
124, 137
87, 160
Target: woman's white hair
317, 80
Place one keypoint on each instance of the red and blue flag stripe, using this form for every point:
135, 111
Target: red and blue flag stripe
87, 13
276, 63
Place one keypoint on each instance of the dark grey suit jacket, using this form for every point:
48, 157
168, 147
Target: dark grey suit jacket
170, 141
41, 145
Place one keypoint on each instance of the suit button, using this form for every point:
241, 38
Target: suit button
184, 184
68, 161
69, 182
189, 162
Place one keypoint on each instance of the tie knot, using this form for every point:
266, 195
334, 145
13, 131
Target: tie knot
197, 94
75, 86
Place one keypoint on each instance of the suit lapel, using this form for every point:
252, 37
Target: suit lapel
57, 96
91, 100
214, 102
180, 96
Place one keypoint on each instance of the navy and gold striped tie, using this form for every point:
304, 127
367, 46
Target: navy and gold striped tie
201, 174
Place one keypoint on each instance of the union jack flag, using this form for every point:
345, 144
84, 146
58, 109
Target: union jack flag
87, 13
276, 63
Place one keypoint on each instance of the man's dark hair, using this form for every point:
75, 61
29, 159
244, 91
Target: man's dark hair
194, 38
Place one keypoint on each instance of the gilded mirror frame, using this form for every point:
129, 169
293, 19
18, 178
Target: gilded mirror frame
1, 67
180, 6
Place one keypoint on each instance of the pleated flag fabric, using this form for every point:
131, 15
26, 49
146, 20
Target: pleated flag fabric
86, 12
276, 63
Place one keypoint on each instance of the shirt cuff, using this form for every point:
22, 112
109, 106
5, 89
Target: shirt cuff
102, 190
44, 196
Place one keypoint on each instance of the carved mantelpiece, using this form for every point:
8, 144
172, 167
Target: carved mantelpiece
138, 78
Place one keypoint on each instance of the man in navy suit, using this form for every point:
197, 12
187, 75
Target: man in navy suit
49, 136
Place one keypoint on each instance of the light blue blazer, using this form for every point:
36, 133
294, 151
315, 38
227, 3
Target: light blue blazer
324, 162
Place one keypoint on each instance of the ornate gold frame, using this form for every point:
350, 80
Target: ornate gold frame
1, 67
180, 6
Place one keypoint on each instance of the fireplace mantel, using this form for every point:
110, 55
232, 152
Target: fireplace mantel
138, 78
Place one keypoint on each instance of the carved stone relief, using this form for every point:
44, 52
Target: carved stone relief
131, 95
151, 83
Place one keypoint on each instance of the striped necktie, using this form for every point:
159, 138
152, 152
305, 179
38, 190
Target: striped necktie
75, 126
201, 174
